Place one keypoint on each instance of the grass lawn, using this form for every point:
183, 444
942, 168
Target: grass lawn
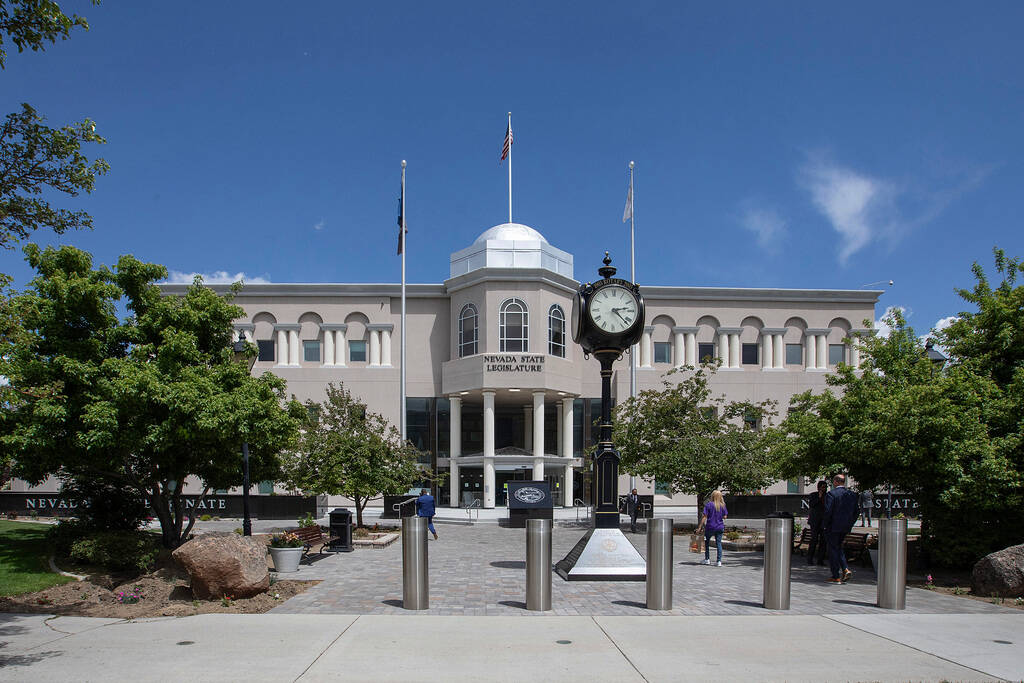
23, 559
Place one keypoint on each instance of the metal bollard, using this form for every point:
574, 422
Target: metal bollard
415, 584
659, 563
778, 549
892, 563
538, 565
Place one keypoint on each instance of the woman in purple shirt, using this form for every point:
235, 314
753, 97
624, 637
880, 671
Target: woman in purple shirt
713, 522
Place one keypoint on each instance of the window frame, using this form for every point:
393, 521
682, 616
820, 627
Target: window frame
266, 344
664, 346
305, 351
556, 340
843, 352
351, 357
701, 357
799, 346
469, 347
744, 348
503, 314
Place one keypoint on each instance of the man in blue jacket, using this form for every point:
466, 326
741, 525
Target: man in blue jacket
425, 508
840, 516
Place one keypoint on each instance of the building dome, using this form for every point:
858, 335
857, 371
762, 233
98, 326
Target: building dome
510, 232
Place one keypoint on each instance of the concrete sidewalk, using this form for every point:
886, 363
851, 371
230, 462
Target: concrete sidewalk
291, 647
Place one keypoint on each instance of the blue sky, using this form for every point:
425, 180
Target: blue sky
777, 144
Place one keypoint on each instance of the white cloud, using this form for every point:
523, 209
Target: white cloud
882, 329
858, 206
320, 225
943, 323
766, 223
218, 277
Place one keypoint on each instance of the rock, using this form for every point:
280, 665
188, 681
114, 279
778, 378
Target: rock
1000, 574
224, 564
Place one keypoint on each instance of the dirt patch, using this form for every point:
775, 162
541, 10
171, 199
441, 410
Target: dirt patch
958, 585
162, 593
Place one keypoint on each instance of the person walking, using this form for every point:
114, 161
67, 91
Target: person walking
632, 508
815, 523
840, 516
425, 508
712, 520
867, 504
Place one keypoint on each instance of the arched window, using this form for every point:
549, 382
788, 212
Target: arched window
514, 326
556, 331
467, 331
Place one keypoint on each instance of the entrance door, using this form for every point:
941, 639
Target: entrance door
471, 486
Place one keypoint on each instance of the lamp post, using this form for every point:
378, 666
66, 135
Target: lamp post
240, 347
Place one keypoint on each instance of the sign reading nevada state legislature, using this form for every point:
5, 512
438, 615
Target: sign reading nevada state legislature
514, 362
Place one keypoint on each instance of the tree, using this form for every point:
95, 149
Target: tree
683, 437
33, 23
349, 451
145, 402
925, 430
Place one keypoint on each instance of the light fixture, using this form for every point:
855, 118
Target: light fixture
513, 390
463, 393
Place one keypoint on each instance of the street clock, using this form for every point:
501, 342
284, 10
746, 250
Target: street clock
607, 315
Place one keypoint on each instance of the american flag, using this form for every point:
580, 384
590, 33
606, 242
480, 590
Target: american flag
507, 147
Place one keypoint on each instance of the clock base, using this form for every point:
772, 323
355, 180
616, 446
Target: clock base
603, 555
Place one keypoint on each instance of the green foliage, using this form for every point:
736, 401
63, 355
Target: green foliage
307, 521
35, 162
205, 518
106, 506
285, 540
34, 23
696, 442
24, 550
346, 450
951, 436
117, 550
144, 402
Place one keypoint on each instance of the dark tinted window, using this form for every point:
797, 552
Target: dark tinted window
750, 354
266, 347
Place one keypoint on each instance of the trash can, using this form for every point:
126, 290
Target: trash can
892, 563
340, 530
778, 549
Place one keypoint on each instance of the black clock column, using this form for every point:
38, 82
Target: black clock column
606, 460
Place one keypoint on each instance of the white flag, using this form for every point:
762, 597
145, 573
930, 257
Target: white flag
627, 213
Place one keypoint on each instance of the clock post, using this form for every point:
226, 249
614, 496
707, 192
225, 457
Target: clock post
607, 318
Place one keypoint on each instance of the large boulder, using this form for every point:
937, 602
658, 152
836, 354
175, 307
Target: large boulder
1001, 573
224, 564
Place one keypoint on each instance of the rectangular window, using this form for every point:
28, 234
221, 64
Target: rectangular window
266, 347
792, 486
662, 352
266, 487
750, 421
705, 352
311, 351
662, 488
836, 354
750, 354
794, 354
357, 351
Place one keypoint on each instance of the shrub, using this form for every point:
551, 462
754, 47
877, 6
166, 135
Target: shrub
732, 535
116, 550
64, 534
205, 518
307, 520
285, 540
104, 506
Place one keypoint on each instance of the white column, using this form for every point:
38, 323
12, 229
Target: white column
780, 352
567, 450
767, 352
385, 347
454, 450
734, 350
488, 449
340, 347
679, 352
559, 432
527, 427
822, 348
293, 347
374, 347
645, 348
691, 348
282, 347
538, 436
723, 348
810, 354
247, 336
855, 352
328, 347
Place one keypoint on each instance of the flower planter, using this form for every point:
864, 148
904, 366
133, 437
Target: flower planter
286, 559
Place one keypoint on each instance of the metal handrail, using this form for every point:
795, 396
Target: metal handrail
397, 507
474, 505
578, 503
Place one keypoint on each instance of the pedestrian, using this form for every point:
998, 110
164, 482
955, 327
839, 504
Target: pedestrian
425, 508
840, 516
867, 504
815, 522
632, 508
713, 522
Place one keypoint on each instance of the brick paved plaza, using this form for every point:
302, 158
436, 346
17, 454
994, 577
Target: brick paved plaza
480, 570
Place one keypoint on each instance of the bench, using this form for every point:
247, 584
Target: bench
855, 546
803, 544
311, 536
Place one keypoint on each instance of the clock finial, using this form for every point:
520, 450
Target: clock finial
608, 269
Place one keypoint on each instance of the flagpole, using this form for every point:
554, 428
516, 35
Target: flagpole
403, 236
632, 277
510, 171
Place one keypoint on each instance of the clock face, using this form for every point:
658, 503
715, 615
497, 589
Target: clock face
613, 309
